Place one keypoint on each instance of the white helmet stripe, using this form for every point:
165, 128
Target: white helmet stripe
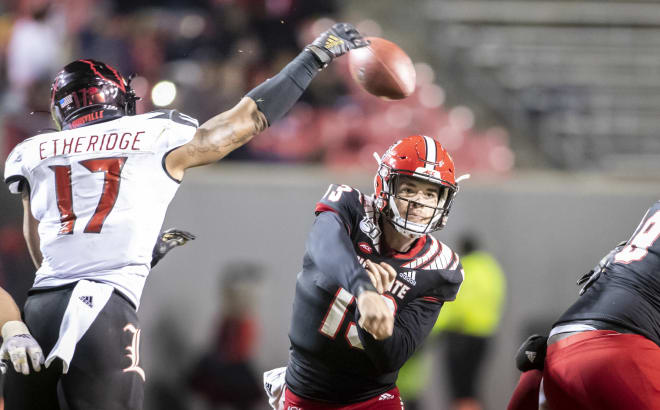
430, 152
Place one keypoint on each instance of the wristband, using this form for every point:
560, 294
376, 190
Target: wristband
364, 287
13, 328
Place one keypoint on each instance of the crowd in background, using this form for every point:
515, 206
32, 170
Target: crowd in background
214, 51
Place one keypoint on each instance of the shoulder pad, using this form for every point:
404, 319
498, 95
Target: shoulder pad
342, 199
444, 267
176, 116
437, 256
15, 176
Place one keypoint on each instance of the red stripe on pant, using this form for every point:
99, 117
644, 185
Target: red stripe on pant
603, 370
390, 400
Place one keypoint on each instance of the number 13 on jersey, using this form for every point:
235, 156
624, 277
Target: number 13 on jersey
336, 314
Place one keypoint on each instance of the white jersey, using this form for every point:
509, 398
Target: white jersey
100, 194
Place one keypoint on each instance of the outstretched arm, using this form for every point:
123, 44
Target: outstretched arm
331, 249
263, 105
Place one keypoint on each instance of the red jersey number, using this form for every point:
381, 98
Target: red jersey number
111, 167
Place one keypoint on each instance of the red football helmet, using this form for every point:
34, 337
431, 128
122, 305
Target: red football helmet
418, 157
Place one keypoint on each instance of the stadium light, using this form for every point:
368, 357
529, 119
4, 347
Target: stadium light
163, 93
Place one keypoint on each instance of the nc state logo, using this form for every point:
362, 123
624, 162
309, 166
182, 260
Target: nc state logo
364, 247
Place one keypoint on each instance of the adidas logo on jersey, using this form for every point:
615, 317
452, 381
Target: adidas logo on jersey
386, 396
87, 300
530, 355
409, 276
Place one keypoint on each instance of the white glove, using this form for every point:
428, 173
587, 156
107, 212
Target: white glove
17, 345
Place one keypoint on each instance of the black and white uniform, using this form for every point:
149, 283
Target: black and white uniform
332, 359
100, 194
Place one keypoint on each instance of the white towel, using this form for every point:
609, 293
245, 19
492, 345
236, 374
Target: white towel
274, 384
87, 300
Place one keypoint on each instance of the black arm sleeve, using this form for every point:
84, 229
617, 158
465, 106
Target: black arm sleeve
412, 325
331, 249
277, 95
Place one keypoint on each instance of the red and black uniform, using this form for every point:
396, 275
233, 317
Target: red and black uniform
617, 365
627, 293
332, 359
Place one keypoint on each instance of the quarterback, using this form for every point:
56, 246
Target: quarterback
364, 251
95, 196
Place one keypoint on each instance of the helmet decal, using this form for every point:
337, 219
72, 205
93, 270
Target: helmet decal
120, 80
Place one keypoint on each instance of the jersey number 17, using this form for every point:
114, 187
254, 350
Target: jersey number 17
111, 167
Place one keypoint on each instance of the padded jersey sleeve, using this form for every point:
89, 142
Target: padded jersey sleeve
447, 285
444, 276
343, 201
15, 173
179, 130
331, 250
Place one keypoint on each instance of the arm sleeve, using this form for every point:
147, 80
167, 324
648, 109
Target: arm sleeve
412, 325
331, 249
277, 95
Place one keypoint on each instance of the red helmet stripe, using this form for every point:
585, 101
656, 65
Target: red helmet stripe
119, 83
431, 152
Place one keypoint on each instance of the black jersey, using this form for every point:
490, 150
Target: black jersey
332, 359
627, 293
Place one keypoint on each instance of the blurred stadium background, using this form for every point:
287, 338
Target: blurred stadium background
551, 106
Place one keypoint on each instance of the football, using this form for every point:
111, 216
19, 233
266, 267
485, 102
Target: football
383, 69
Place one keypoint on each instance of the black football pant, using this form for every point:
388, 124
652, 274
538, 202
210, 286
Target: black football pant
103, 374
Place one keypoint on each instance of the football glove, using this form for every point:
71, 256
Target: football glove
335, 42
592, 276
531, 353
167, 241
18, 344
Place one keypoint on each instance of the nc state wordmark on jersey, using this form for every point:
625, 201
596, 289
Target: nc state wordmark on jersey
90, 143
